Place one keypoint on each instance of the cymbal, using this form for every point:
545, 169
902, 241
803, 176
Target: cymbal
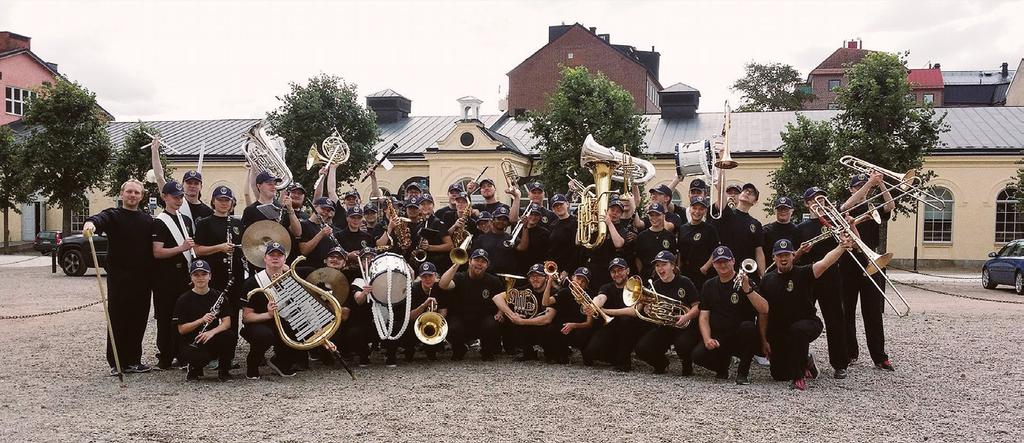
256, 237
334, 280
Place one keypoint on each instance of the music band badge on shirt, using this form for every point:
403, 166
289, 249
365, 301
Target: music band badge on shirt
789, 286
682, 292
363, 243
664, 244
235, 230
824, 229
696, 237
544, 219
486, 293
753, 229
734, 298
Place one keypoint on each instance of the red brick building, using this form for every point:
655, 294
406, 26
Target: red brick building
927, 85
535, 78
831, 74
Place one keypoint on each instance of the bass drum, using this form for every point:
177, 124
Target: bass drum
694, 158
385, 267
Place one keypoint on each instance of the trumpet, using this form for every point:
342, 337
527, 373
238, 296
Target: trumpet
585, 300
651, 306
431, 328
909, 182
748, 266
550, 268
460, 255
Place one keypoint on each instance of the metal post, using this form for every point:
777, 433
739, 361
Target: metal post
917, 215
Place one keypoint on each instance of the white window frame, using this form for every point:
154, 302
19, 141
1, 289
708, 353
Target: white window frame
78, 220
1006, 206
17, 106
928, 98
933, 216
839, 83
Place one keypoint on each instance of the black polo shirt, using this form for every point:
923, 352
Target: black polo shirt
790, 297
318, 255
776, 231
679, 288
502, 258
740, 232
695, 244
213, 230
727, 308
562, 247
614, 295
471, 297
191, 307
173, 270
649, 243
567, 310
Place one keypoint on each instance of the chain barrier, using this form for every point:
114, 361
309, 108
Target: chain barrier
43, 314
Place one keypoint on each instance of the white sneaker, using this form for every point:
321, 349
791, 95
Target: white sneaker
763, 361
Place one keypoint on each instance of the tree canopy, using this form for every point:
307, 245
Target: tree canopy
770, 87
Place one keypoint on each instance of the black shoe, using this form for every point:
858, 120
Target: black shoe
194, 373
486, 357
364, 361
224, 376
391, 361
563, 360
280, 370
687, 371
841, 374
724, 375
178, 364
527, 356
811, 370
114, 373
431, 355
137, 368
886, 365
163, 365
252, 373
660, 369
741, 379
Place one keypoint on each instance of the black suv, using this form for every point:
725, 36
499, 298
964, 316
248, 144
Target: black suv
74, 257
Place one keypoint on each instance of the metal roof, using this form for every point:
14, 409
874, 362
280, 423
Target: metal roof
222, 137
386, 93
989, 77
681, 87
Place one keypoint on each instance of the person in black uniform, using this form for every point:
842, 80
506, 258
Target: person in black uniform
353, 238
220, 235
129, 269
662, 195
318, 234
653, 240
470, 311
489, 193
742, 233
727, 320
792, 320
783, 226
698, 188
434, 238
562, 247
570, 327
265, 209
696, 240
420, 299
358, 331
424, 295
540, 239
858, 286
172, 249
614, 245
297, 195
448, 214
653, 345
536, 195
613, 342
827, 287
371, 222
525, 333
501, 250
193, 312
258, 320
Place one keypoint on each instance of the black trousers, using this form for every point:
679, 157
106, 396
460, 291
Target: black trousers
556, 344
828, 290
408, 342
790, 348
856, 286
614, 342
221, 348
686, 341
742, 343
524, 337
654, 343
355, 336
164, 298
261, 337
463, 329
128, 302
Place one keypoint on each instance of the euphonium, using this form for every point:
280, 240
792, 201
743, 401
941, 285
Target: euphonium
460, 255
592, 230
651, 306
264, 153
431, 328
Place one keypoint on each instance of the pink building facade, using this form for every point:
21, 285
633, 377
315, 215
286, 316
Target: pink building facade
21, 73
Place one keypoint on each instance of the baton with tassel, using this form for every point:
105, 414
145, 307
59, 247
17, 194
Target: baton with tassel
106, 309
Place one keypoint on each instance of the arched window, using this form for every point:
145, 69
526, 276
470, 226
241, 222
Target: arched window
938, 224
1009, 223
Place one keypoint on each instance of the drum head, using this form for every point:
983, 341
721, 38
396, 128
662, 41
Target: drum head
389, 267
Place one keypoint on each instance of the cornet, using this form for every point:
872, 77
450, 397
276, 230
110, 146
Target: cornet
748, 266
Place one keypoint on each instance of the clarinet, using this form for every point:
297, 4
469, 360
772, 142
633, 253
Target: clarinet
231, 280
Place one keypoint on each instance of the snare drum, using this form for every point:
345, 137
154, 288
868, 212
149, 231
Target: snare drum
693, 158
389, 266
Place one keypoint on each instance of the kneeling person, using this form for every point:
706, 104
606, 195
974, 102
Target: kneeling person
525, 333
655, 342
258, 317
203, 318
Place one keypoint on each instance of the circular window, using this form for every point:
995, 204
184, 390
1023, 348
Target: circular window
466, 139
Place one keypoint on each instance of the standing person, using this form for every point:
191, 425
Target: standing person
218, 238
698, 188
696, 240
172, 248
536, 195
258, 320
469, 307
297, 195
434, 238
613, 342
828, 286
614, 245
205, 333
742, 233
570, 327
562, 247
727, 320
525, 333
662, 195
856, 285
192, 183
792, 320
653, 345
540, 239
501, 250
652, 240
264, 208
129, 267
489, 192
783, 226
448, 213
318, 233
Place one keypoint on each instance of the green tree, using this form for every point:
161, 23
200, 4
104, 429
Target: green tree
68, 146
807, 150
12, 179
770, 87
881, 124
309, 114
132, 161
583, 104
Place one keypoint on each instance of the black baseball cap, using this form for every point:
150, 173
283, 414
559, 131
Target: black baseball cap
751, 187
455, 187
813, 191
699, 201
173, 188
782, 246
426, 198
698, 184
192, 175
336, 250
323, 202
502, 211
537, 268
558, 198
479, 253
617, 261
413, 185
274, 247
858, 180
223, 192
428, 268
412, 202
534, 186
369, 208
656, 207
784, 202
661, 189
721, 253
486, 180
296, 186
266, 176
665, 256
199, 265
582, 272
354, 211
735, 187
484, 216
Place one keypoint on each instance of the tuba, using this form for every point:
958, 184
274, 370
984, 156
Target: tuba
265, 154
522, 301
431, 328
601, 162
651, 306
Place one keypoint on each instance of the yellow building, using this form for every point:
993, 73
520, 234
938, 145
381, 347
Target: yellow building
975, 163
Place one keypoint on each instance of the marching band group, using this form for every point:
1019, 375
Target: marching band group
332, 278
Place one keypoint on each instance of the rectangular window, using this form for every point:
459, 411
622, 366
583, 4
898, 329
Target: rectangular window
15, 100
78, 220
1009, 225
833, 84
833, 106
938, 223
929, 98
570, 56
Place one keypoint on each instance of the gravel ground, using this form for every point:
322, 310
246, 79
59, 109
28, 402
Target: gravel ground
957, 379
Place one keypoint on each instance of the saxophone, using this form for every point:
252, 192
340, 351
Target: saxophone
402, 236
459, 234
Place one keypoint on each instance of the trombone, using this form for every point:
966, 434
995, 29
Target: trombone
431, 328
515, 232
833, 218
909, 183
721, 163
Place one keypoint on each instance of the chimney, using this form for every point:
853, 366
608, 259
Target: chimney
389, 106
679, 101
10, 40
1004, 70
852, 44
937, 66
556, 31
593, 30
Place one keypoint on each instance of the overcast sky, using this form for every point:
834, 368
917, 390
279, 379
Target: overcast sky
155, 60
